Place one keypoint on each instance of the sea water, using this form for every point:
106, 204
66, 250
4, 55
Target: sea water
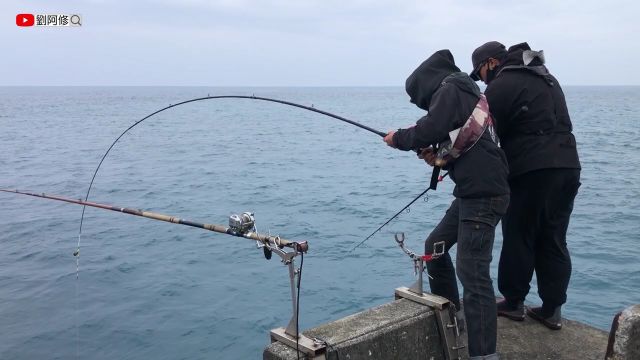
154, 290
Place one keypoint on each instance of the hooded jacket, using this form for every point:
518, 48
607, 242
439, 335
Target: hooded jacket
450, 96
532, 120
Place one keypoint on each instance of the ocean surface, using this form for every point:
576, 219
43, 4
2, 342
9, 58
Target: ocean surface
152, 290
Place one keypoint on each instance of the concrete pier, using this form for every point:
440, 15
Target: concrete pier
531, 340
403, 329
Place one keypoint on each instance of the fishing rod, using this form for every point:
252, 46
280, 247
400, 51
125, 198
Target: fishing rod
242, 225
432, 186
239, 225
208, 97
471, 134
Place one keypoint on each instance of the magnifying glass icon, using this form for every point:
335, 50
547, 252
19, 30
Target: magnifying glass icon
75, 20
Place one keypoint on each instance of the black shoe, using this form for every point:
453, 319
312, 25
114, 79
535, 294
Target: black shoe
511, 310
553, 322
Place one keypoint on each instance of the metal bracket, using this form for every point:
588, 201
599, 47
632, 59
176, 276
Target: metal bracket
449, 332
418, 268
306, 345
287, 335
434, 301
444, 312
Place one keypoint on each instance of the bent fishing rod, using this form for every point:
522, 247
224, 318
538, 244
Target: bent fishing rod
434, 178
208, 97
239, 225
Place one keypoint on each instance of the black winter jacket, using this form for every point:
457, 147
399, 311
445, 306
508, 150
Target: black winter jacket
450, 96
532, 120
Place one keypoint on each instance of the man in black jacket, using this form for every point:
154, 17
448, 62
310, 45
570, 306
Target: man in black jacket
534, 128
482, 193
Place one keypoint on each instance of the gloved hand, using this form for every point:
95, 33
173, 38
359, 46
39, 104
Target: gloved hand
427, 155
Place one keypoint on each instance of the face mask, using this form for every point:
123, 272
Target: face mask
491, 74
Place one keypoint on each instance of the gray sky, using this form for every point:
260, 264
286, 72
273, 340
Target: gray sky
308, 43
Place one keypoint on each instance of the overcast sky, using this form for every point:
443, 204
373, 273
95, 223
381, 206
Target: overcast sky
308, 43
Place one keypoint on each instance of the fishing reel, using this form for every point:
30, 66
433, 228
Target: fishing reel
243, 223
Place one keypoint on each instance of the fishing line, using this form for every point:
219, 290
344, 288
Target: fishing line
298, 306
398, 213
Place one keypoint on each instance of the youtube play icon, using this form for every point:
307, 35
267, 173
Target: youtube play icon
25, 20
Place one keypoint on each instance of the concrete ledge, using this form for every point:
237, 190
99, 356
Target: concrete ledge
398, 330
406, 330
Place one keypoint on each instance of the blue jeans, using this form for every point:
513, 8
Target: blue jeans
470, 223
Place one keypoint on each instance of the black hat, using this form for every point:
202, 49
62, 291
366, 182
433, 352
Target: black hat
492, 49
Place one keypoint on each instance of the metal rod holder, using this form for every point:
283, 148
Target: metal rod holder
417, 286
443, 309
289, 336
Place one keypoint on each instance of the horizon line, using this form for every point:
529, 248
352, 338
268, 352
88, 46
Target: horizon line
286, 86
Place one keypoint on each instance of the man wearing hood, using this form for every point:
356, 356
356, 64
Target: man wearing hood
534, 127
481, 192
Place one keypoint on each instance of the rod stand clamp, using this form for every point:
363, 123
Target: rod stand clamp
445, 312
287, 335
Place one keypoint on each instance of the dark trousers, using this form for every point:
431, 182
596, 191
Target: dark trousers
535, 235
471, 223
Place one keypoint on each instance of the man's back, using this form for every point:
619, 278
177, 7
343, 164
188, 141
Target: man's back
531, 115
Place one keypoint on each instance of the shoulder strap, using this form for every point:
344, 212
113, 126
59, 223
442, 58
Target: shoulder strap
465, 137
